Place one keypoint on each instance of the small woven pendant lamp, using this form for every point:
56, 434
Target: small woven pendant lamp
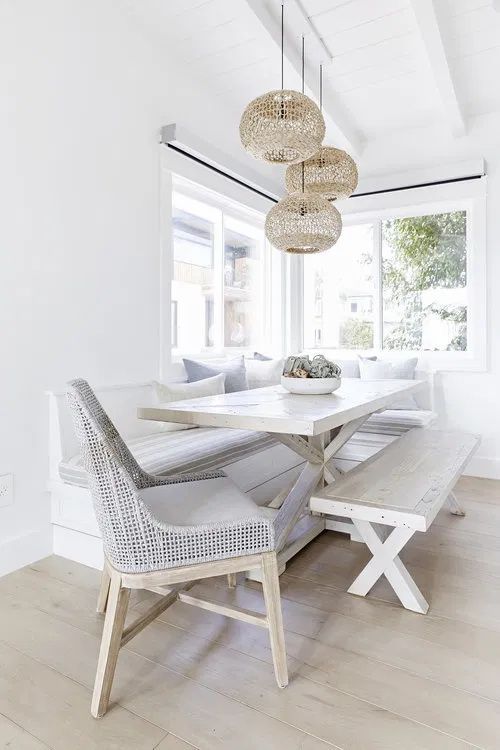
282, 126
330, 172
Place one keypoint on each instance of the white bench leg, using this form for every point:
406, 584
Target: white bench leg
455, 506
385, 561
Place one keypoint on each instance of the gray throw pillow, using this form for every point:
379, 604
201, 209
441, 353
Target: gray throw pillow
233, 369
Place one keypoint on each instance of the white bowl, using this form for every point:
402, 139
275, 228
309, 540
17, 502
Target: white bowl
310, 386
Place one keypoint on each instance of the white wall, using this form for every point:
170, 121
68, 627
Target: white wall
466, 400
85, 94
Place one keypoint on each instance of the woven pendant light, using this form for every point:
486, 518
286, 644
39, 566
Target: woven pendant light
303, 223
330, 172
282, 126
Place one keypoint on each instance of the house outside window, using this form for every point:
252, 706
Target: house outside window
221, 275
403, 280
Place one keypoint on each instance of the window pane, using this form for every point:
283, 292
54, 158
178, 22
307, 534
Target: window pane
424, 282
242, 291
193, 281
339, 293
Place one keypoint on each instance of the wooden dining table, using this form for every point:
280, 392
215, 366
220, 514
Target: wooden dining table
315, 427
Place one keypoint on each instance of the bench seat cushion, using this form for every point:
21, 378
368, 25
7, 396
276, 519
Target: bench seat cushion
163, 452
397, 421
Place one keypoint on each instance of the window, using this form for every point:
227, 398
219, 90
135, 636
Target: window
219, 288
338, 293
401, 282
173, 312
424, 278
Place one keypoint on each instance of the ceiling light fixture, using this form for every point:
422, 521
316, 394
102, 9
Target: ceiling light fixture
330, 172
282, 126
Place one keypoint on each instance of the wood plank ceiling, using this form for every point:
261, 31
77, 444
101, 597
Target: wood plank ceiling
382, 74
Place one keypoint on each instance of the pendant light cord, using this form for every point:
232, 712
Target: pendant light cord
282, 42
321, 88
303, 86
303, 59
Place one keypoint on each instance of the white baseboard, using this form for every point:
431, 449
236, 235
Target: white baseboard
484, 467
78, 546
25, 549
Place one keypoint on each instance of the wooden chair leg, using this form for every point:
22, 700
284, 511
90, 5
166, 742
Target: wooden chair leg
455, 507
231, 580
102, 599
116, 612
271, 588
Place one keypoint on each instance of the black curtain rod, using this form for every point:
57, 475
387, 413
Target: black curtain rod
355, 195
419, 185
221, 172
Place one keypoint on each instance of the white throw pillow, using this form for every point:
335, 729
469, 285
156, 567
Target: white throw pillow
399, 369
261, 373
184, 391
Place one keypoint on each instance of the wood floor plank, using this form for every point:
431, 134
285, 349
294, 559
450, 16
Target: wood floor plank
174, 743
13, 737
203, 717
365, 673
460, 714
55, 709
449, 547
468, 662
391, 717
450, 595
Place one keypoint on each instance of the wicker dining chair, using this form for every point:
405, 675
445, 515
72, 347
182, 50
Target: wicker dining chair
165, 533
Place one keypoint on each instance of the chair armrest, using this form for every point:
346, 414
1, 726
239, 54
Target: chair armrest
145, 480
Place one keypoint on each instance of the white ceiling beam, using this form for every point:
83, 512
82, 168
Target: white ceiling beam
338, 121
428, 23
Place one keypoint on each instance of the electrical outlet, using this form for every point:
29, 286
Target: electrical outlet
6, 490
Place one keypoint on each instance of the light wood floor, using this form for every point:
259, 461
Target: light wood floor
365, 674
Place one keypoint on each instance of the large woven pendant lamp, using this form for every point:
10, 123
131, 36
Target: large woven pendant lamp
282, 126
303, 222
330, 172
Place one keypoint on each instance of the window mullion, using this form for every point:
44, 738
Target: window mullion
378, 326
219, 282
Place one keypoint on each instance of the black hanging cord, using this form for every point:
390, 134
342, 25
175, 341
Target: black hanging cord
303, 85
303, 58
282, 42
321, 87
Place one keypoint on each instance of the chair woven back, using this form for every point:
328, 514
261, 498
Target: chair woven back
134, 541
123, 519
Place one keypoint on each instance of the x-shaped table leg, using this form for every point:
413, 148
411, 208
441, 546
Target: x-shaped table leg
386, 561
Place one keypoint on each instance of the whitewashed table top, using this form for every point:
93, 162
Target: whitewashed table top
275, 410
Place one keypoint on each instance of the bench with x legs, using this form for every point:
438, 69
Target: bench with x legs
404, 486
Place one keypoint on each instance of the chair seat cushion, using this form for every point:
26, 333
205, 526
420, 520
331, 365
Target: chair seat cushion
200, 503
163, 452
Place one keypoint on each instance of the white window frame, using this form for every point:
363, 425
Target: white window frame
213, 196
469, 196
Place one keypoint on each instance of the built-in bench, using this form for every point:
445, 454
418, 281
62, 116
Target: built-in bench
403, 486
259, 465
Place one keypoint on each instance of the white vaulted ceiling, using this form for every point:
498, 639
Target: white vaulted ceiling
396, 64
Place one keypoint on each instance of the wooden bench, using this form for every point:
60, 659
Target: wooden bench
403, 486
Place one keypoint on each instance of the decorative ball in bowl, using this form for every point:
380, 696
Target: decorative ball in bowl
304, 376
